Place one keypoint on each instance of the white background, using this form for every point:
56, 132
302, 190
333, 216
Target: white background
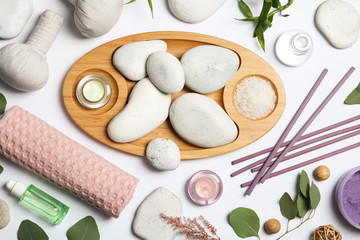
47, 104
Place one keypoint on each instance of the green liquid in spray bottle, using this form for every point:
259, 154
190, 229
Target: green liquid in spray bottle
38, 201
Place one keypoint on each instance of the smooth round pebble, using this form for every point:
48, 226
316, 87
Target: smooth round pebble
147, 108
209, 68
193, 11
130, 59
339, 22
163, 154
4, 214
148, 223
201, 121
165, 72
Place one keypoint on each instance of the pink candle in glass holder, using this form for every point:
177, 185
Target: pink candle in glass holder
205, 187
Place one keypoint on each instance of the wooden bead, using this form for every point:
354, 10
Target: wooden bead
272, 226
322, 173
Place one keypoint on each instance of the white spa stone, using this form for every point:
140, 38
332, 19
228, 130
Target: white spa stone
4, 214
208, 68
339, 22
130, 59
14, 14
148, 223
165, 72
147, 108
163, 154
201, 121
193, 11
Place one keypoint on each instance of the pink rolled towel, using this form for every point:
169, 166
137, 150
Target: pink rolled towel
39, 147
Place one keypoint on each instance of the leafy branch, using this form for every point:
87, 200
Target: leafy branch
308, 198
245, 222
266, 17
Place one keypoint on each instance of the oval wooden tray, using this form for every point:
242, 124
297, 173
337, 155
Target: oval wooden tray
95, 122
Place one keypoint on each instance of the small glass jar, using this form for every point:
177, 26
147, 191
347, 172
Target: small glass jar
205, 187
293, 48
93, 91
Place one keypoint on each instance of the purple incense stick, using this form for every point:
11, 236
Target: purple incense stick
316, 147
307, 124
286, 132
300, 145
303, 164
256, 154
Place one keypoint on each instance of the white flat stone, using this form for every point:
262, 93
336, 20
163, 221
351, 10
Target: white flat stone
193, 11
4, 214
147, 109
339, 22
130, 59
163, 154
201, 121
14, 14
208, 68
148, 223
165, 72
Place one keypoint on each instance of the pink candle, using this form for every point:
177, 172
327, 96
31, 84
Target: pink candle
205, 187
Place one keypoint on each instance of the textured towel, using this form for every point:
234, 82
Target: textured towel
39, 147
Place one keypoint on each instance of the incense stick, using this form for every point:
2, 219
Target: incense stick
286, 132
300, 145
316, 147
303, 164
307, 124
303, 137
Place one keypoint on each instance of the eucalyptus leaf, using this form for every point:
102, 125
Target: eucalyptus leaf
31, 231
288, 207
85, 229
1, 169
354, 96
245, 222
304, 184
302, 204
314, 195
2, 104
245, 9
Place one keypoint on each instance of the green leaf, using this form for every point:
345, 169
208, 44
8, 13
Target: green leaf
1, 169
266, 24
244, 8
354, 96
151, 8
30, 231
304, 184
302, 204
85, 229
260, 36
288, 207
130, 1
314, 195
275, 3
2, 104
245, 222
265, 10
